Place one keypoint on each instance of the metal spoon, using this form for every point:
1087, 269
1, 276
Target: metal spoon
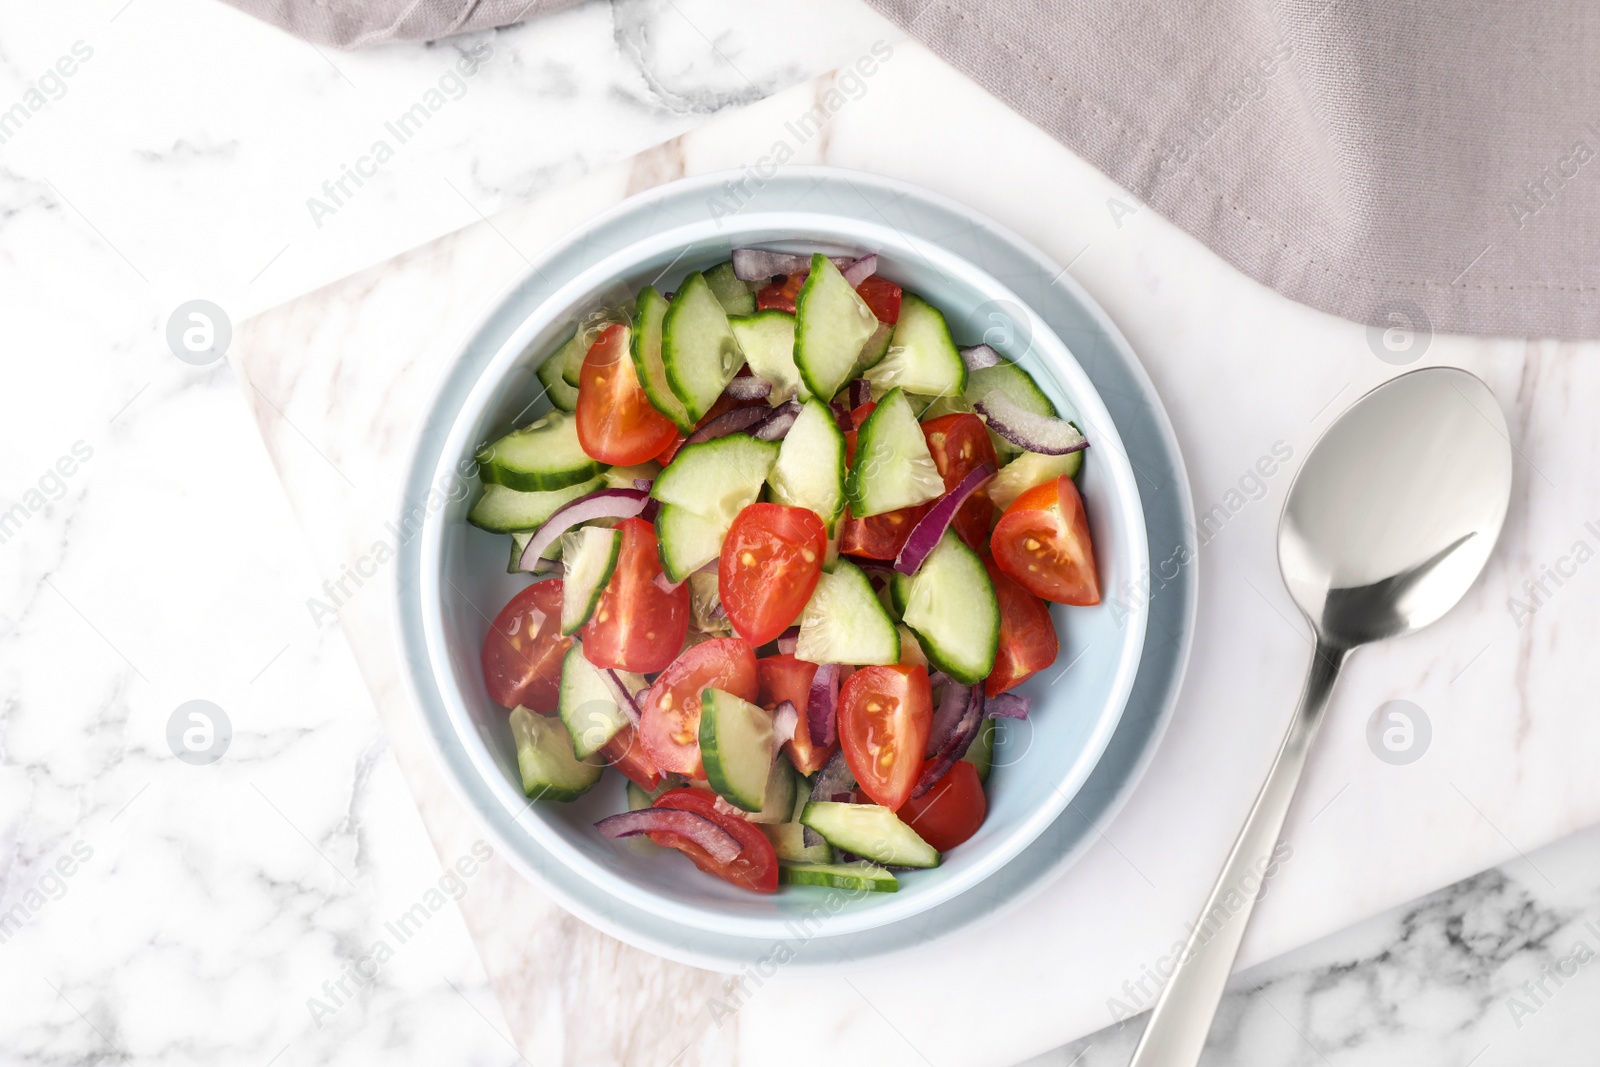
1386, 527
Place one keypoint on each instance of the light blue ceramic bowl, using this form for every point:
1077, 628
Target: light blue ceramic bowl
462, 580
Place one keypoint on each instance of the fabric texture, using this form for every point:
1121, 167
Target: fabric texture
356, 23
1418, 166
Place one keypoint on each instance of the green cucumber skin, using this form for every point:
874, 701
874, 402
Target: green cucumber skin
872, 832
695, 389
979, 620
869, 877
721, 715
648, 365
562, 394
594, 590
505, 461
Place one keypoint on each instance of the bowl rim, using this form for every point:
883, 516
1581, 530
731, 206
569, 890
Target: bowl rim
491, 380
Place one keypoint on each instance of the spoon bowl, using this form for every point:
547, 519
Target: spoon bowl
1387, 525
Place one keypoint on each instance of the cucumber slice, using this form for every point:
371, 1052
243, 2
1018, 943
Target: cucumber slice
867, 876
539, 457
698, 347
737, 747
519, 544
981, 752
951, 607
715, 479
893, 467
590, 557
844, 622
922, 358
832, 326
562, 395
544, 756
945, 405
911, 653
586, 704
686, 542
809, 472
777, 803
502, 510
624, 477
875, 349
767, 340
1018, 387
789, 842
734, 295
1028, 470
647, 362
870, 831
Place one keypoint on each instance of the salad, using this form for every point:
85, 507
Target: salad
792, 550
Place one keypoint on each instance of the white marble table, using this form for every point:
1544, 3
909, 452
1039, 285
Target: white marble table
218, 900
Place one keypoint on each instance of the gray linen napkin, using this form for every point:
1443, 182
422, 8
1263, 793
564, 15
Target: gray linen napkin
1416, 165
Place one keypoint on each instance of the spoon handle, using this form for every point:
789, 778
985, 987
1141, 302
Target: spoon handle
1183, 1013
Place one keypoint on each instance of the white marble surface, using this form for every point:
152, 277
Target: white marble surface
218, 899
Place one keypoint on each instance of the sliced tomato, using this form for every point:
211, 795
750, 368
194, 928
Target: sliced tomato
885, 714
771, 560
616, 421
858, 415
637, 626
755, 867
959, 443
1028, 642
522, 652
879, 536
882, 296
951, 811
670, 726
786, 678
626, 753
782, 294
1042, 543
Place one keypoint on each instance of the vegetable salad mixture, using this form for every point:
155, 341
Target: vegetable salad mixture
792, 551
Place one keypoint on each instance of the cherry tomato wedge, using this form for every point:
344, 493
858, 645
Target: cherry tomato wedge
637, 626
951, 811
1042, 543
626, 753
1028, 642
879, 536
616, 421
885, 714
670, 715
755, 867
959, 444
522, 652
771, 560
786, 678
781, 294
882, 296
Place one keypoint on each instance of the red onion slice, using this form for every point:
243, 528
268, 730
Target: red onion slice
861, 270
860, 392
822, 705
748, 387
835, 777
956, 744
930, 528
980, 356
600, 504
620, 694
953, 705
718, 843
785, 718
841, 415
1027, 429
759, 265
775, 427
643, 484
1008, 706
665, 584
789, 640
728, 422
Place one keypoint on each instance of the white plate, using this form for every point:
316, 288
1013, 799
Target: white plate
934, 247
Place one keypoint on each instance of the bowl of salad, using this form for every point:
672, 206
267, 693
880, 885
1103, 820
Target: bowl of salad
782, 588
